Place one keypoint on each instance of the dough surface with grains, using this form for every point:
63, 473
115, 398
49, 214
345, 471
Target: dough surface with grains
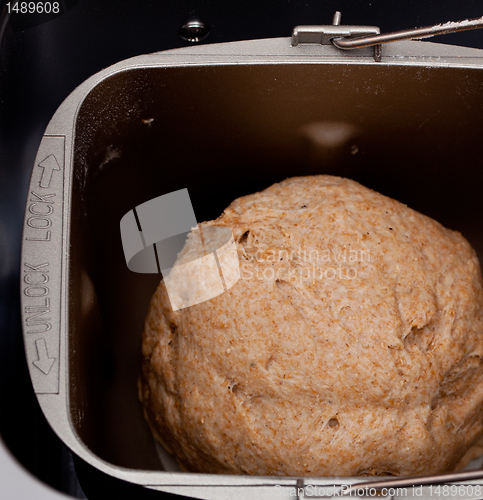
351, 344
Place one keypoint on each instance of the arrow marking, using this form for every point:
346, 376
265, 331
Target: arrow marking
44, 363
48, 165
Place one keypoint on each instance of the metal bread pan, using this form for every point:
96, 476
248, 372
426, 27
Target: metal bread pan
223, 121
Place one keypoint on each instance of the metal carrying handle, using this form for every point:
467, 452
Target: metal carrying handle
355, 37
428, 31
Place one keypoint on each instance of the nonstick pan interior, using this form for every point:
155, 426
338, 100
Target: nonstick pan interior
410, 132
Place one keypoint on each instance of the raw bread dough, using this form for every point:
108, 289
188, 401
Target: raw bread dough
351, 345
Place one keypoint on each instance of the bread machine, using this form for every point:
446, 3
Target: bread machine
222, 120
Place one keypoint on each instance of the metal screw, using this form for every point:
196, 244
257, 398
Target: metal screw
194, 31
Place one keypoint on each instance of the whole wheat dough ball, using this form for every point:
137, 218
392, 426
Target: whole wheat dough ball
350, 345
